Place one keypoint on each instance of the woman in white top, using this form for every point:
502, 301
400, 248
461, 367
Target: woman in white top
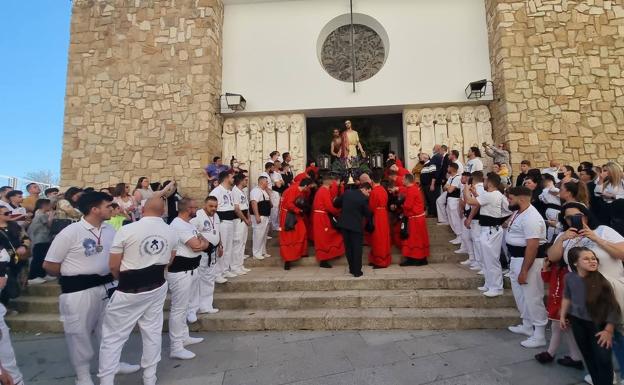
610, 184
550, 197
125, 201
142, 192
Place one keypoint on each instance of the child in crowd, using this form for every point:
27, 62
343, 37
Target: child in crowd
117, 217
590, 309
550, 198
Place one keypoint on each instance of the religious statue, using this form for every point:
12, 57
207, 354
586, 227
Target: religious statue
484, 126
268, 137
427, 130
441, 133
336, 143
350, 143
469, 128
283, 123
229, 140
456, 138
413, 137
242, 141
255, 150
297, 124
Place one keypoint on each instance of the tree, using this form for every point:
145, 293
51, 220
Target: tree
43, 176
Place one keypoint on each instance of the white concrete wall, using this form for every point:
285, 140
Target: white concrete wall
270, 53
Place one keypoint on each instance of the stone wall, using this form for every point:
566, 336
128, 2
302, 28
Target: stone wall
558, 72
143, 83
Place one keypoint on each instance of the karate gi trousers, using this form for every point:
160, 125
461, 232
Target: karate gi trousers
226, 231
441, 208
475, 236
530, 297
7, 355
259, 236
182, 286
124, 310
454, 217
275, 202
201, 300
241, 231
491, 241
467, 243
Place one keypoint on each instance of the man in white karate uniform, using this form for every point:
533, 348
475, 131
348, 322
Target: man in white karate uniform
182, 278
474, 189
8, 363
260, 201
241, 223
139, 256
207, 223
526, 240
452, 189
227, 215
80, 255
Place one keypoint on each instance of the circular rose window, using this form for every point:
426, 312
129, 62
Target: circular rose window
336, 53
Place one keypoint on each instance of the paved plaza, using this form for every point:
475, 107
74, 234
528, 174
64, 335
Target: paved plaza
473, 357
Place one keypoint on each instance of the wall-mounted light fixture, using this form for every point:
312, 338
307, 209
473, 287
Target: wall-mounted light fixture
478, 89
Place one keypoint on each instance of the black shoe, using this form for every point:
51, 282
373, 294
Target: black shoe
544, 358
570, 363
421, 262
358, 274
371, 264
377, 267
325, 265
408, 262
286, 265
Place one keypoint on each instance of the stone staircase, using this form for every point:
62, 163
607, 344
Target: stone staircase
442, 295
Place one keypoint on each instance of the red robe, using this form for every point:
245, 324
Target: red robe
380, 238
294, 243
328, 241
417, 245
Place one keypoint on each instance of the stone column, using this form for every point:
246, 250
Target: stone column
558, 75
143, 83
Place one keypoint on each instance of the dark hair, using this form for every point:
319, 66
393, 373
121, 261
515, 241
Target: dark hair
454, 166
120, 188
215, 159
273, 153
13, 193
377, 176
114, 205
40, 203
455, 154
526, 162
548, 177
184, 203
309, 163
590, 172
88, 189
4, 188
476, 151
592, 222
519, 191
238, 178
31, 184
156, 186
478, 175
584, 165
223, 175
305, 182
90, 200
494, 179
285, 155
535, 172
466, 173
366, 186
578, 191
50, 190
444, 147
391, 152
571, 169
70, 193
409, 178
268, 164
211, 198
141, 179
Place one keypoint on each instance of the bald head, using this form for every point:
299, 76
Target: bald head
364, 178
154, 207
437, 149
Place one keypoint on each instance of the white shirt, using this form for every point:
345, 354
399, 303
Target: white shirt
547, 197
528, 224
75, 248
266, 175
185, 232
474, 165
208, 226
150, 241
5, 204
257, 194
240, 198
224, 198
276, 177
493, 204
456, 182
618, 191
460, 167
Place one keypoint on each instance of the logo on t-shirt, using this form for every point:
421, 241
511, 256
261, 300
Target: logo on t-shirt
153, 245
90, 247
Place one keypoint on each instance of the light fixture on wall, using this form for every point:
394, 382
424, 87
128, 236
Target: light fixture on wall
478, 89
234, 102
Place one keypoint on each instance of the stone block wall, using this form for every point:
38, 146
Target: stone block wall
143, 84
558, 72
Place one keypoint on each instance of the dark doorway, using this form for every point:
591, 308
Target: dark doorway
378, 133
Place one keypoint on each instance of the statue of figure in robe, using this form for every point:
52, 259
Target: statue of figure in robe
412, 128
297, 136
427, 130
441, 132
242, 141
283, 124
469, 128
350, 143
456, 138
229, 140
268, 137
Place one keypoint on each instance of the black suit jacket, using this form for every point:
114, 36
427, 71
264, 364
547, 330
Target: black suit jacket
438, 160
355, 210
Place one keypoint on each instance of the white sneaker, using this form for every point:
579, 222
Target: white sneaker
493, 293
191, 317
37, 281
182, 354
506, 275
84, 381
461, 251
192, 341
532, 342
208, 311
588, 379
521, 329
229, 274
269, 237
150, 381
475, 267
455, 241
259, 258
220, 279
126, 368
466, 262
267, 255
49, 278
480, 272
246, 270
442, 223
239, 272
482, 288
245, 256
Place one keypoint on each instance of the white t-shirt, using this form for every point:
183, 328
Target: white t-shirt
150, 241
474, 165
618, 191
454, 181
529, 224
240, 198
266, 175
493, 204
76, 249
185, 232
207, 226
460, 169
257, 194
224, 198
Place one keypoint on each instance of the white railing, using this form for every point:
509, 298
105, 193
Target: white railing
19, 183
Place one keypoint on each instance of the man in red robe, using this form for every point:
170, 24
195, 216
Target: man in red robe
328, 241
293, 243
379, 256
416, 247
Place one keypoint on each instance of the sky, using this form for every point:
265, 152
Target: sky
33, 65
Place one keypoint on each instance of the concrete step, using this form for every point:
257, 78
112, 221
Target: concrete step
316, 319
340, 299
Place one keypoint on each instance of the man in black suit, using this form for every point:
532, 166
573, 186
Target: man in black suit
355, 211
433, 191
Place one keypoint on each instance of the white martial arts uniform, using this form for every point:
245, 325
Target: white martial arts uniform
529, 297
494, 205
260, 230
441, 207
275, 200
552, 213
7, 355
82, 249
146, 244
452, 206
182, 285
475, 234
225, 211
241, 230
474, 165
201, 302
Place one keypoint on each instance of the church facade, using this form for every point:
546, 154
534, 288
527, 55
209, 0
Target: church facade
145, 79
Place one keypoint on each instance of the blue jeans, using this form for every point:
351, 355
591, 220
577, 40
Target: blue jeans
618, 349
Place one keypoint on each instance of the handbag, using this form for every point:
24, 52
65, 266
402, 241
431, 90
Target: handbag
404, 228
58, 225
290, 222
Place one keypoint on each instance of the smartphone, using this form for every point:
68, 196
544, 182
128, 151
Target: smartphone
576, 221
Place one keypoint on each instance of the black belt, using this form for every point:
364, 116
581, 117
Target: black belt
181, 264
142, 280
227, 215
245, 212
518, 251
485, 220
553, 206
453, 194
75, 283
264, 208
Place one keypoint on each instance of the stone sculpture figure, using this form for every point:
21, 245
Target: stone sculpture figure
469, 128
456, 138
229, 140
412, 129
484, 132
441, 130
297, 135
283, 123
268, 136
427, 130
256, 162
242, 141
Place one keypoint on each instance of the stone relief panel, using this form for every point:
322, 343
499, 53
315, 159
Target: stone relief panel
283, 138
228, 140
